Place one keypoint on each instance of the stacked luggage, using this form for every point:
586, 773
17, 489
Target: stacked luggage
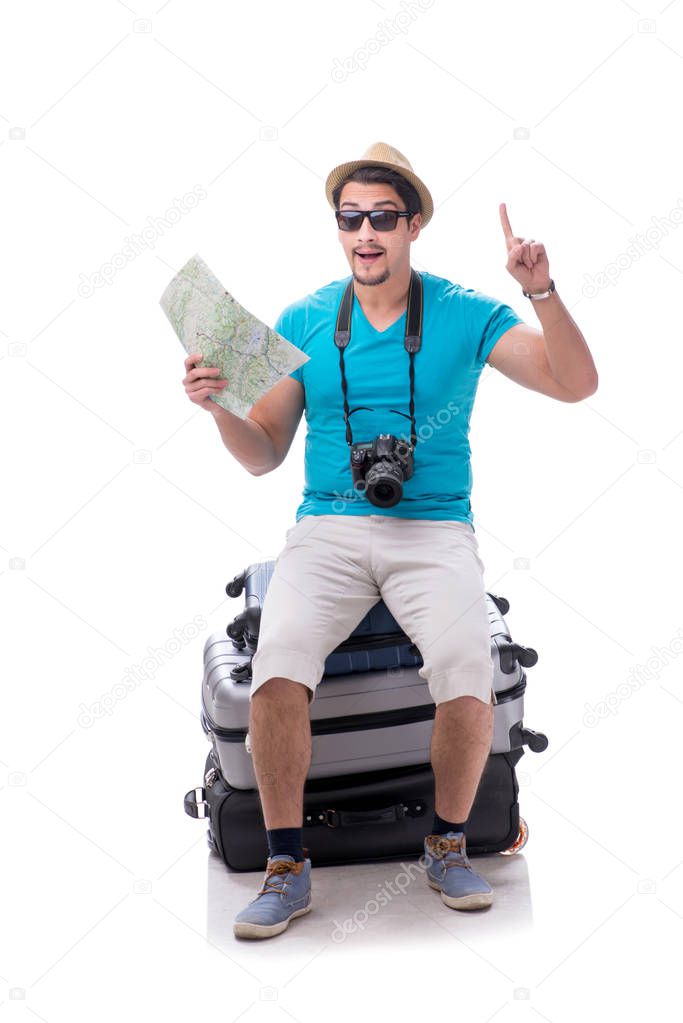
369, 794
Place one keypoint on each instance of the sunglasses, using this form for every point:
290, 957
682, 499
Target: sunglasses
381, 220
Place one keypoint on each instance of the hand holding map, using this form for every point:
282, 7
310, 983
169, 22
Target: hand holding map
201, 384
207, 319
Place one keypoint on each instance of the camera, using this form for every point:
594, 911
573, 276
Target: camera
382, 464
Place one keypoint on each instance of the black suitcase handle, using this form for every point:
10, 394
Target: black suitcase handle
352, 818
196, 805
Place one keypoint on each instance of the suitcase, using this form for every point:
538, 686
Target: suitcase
372, 710
361, 818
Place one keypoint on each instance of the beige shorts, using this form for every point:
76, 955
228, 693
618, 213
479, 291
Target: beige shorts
334, 568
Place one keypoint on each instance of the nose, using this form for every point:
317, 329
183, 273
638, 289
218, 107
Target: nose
366, 232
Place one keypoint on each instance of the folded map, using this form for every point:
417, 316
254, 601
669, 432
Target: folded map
207, 319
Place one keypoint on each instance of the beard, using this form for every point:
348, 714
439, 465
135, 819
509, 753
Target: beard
379, 278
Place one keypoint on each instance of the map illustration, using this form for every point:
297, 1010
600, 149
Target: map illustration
207, 319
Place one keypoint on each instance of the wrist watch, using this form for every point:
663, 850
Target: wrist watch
540, 294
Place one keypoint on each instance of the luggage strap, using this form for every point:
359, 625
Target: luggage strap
332, 818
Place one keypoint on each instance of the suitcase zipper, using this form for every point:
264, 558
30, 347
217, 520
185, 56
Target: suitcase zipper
362, 722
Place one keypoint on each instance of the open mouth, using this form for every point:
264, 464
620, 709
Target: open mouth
368, 257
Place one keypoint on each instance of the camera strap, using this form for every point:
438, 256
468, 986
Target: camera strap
412, 343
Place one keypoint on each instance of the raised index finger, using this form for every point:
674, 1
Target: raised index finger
507, 230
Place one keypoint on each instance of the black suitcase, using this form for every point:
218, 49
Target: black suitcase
361, 818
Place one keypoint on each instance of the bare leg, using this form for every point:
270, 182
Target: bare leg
280, 735
461, 743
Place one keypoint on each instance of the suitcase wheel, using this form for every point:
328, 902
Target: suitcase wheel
520, 841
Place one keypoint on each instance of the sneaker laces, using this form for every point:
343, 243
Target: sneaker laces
275, 870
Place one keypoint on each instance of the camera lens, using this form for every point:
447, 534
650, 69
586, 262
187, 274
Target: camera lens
383, 492
384, 487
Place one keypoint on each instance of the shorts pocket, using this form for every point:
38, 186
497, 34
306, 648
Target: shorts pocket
290, 532
466, 527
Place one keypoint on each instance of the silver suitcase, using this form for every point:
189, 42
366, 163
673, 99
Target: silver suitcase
361, 721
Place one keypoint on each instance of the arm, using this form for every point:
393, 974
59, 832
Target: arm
554, 361
261, 441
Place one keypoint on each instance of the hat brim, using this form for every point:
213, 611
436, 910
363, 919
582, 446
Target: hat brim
338, 174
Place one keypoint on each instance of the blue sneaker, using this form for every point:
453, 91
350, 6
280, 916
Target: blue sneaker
284, 894
450, 872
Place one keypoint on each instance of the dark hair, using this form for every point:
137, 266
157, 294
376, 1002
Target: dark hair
383, 176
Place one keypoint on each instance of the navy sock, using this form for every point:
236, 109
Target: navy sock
441, 826
286, 840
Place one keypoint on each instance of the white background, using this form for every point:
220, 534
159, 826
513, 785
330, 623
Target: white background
124, 516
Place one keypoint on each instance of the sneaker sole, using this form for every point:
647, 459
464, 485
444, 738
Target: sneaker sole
247, 930
476, 900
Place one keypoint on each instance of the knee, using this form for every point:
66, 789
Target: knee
462, 704
468, 710
279, 690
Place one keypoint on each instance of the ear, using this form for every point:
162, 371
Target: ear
414, 226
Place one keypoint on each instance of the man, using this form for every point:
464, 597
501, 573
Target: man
413, 544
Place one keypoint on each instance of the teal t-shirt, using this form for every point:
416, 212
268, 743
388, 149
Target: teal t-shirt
460, 328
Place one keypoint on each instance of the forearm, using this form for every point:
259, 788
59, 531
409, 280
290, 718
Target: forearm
570, 361
246, 441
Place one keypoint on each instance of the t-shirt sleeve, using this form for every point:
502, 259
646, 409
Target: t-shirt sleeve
284, 325
488, 320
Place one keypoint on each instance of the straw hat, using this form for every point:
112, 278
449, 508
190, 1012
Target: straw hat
382, 155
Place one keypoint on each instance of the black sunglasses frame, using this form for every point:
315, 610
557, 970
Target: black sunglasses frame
372, 216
